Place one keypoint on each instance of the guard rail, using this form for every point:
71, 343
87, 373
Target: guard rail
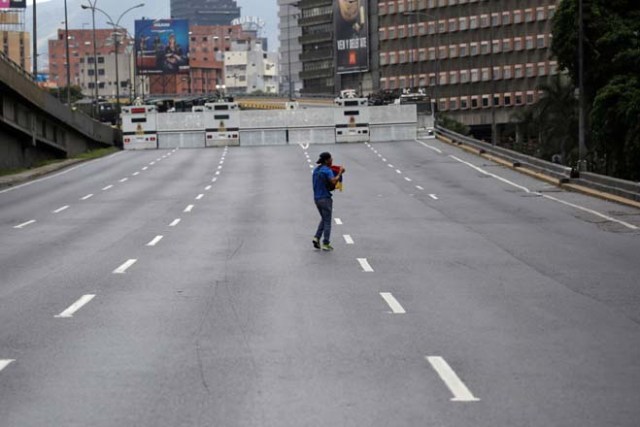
564, 174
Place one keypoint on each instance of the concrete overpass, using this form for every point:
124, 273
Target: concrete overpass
36, 126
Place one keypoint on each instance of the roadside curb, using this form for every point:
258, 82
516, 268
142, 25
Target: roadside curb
19, 178
546, 178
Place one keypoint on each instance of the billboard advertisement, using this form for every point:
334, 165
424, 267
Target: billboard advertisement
351, 29
162, 46
13, 4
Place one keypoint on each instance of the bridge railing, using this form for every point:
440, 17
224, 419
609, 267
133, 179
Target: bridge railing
565, 174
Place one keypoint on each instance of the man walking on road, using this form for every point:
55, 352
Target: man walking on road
324, 182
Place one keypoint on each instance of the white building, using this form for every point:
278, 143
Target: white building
85, 76
249, 69
290, 47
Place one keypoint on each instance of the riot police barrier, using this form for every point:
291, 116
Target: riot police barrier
222, 122
139, 127
144, 128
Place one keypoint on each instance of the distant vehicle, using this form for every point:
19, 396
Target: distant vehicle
431, 133
420, 99
106, 110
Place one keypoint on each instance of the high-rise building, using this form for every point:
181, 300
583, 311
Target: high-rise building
316, 23
205, 12
480, 60
248, 69
290, 48
15, 41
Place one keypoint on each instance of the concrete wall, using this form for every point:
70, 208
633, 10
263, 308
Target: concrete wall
36, 126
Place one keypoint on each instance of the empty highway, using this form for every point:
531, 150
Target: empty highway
181, 288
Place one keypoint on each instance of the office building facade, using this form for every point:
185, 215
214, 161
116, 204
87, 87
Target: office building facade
205, 12
479, 60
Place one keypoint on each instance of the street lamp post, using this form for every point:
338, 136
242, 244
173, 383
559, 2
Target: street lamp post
116, 40
582, 148
92, 6
66, 43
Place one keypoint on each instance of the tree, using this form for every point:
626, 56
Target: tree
612, 64
61, 93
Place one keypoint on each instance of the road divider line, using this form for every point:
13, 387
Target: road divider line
73, 308
87, 197
217, 172
5, 362
152, 163
175, 222
207, 188
399, 171
108, 187
214, 179
64, 208
136, 173
145, 168
384, 160
348, 239
390, 165
596, 213
433, 196
437, 150
396, 307
200, 196
364, 263
189, 208
124, 180
155, 241
219, 167
124, 267
459, 390
419, 188
406, 178
338, 221
25, 224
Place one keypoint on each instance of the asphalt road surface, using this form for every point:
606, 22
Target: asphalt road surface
180, 288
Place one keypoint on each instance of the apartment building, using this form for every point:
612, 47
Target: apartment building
249, 69
82, 61
480, 60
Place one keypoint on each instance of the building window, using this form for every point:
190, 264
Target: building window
464, 103
485, 101
453, 103
473, 22
506, 45
497, 73
453, 77
529, 70
474, 102
463, 24
540, 14
528, 15
506, 18
541, 42
518, 71
496, 46
100, 59
542, 69
474, 49
517, 17
507, 72
517, 44
464, 76
486, 74
484, 21
530, 97
453, 25
519, 98
475, 75
507, 99
453, 51
464, 50
101, 71
495, 19
484, 48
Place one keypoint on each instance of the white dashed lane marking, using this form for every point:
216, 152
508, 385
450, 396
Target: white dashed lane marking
5, 362
419, 188
64, 208
25, 224
87, 197
73, 308
200, 196
393, 303
189, 208
155, 241
175, 222
366, 267
124, 267
348, 239
433, 196
108, 187
124, 180
459, 390
338, 221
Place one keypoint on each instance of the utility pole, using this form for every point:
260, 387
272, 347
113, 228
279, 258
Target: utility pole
35, 41
582, 148
66, 43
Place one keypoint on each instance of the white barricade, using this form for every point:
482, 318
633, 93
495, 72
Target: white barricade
139, 127
393, 123
311, 126
183, 130
263, 127
222, 124
352, 120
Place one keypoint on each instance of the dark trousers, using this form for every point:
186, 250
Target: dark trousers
325, 207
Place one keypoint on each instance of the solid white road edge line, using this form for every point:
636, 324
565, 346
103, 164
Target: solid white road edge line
188, 208
395, 306
124, 267
365, 265
437, 150
175, 222
64, 208
459, 390
25, 224
591, 211
73, 308
581, 208
5, 362
155, 241
348, 239
58, 174
338, 221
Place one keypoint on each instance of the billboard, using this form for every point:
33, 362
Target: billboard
351, 29
13, 4
162, 46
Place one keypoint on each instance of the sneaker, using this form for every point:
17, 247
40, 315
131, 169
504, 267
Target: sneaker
327, 247
316, 243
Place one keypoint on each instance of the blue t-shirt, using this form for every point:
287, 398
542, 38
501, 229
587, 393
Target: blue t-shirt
322, 176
